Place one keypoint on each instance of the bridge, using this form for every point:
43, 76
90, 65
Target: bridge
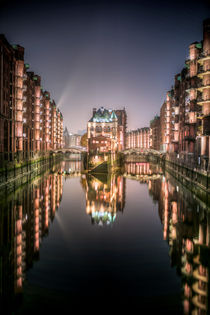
73, 149
141, 151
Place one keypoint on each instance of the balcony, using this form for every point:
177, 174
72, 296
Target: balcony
201, 101
202, 72
200, 115
204, 56
202, 86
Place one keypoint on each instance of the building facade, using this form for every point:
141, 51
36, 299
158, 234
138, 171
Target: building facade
138, 139
102, 131
155, 133
121, 128
30, 124
75, 140
166, 123
184, 116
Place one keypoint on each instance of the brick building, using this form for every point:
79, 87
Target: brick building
103, 130
27, 128
166, 123
138, 139
155, 133
121, 128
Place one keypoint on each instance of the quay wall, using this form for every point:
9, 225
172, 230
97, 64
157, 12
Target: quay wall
18, 175
197, 180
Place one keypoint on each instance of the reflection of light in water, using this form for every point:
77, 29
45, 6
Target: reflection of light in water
103, 217
60, 223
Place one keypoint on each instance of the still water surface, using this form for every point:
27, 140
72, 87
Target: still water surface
137, 237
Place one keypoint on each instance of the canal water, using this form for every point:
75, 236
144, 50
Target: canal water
137, 238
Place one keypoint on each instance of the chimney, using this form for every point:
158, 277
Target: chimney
94, 111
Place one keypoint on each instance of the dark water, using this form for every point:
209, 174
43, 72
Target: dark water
139, 239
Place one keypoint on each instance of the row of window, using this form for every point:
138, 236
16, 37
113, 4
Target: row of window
100, 129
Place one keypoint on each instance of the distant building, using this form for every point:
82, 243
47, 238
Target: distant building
155, 133
71, 140
138, 139
66, 138
74, 140
167, 123
102, 131
121, 128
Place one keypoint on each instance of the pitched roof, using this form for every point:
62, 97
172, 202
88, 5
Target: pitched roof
103, 115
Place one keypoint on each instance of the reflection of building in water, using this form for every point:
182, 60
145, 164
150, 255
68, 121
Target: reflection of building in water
25, 219
105, 196
142, 169
72, 166
186, 227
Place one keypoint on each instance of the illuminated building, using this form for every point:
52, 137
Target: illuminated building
186, 132
19, 71
59, 136
166, 123
74, 140
53, 126
102, 131
29, 128
45, 121
203, 90
155, 133
139, 138
121, 128
31, 114
66, 137
7, 104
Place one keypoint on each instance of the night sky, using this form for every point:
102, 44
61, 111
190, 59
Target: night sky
105, 53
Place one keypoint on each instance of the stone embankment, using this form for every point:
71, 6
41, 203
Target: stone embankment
197, 180
18, 175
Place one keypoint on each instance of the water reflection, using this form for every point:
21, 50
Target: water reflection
186, 228
142, 171
71, 166
26, 216
25, 220
105, 196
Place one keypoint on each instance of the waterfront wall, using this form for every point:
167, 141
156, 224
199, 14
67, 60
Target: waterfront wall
193, 178
196, 180
13, 177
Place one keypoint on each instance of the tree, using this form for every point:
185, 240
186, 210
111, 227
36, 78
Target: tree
84, 140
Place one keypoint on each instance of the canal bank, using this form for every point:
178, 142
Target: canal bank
17, 175
196, 180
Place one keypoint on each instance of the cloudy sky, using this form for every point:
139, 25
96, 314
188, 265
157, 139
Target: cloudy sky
105, 53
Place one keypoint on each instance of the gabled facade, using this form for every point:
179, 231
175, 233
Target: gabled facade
102, 131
